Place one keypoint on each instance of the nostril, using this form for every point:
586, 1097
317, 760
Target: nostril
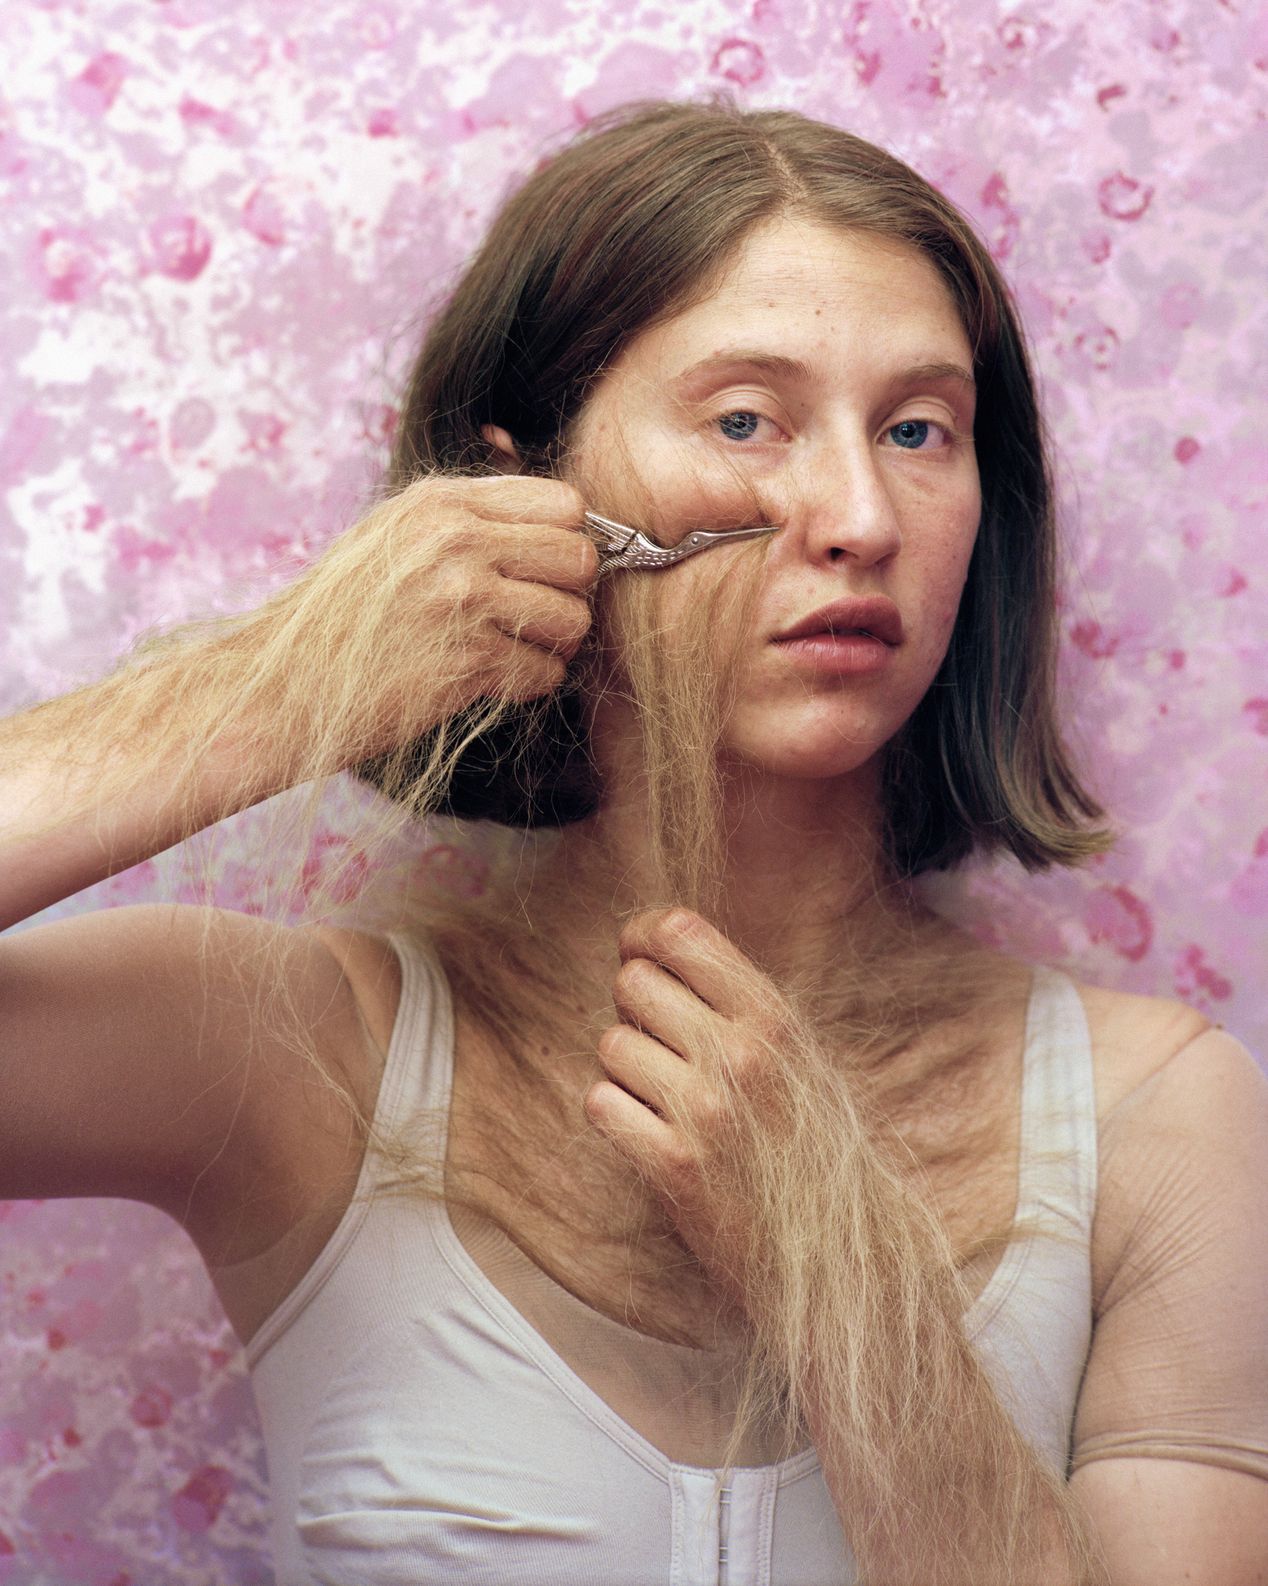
837, 552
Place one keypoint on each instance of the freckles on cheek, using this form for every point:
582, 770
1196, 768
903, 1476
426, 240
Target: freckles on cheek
939, 621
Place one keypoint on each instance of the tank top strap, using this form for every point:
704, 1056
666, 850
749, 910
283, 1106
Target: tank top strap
1058, 1169
418, 1069
417, 1075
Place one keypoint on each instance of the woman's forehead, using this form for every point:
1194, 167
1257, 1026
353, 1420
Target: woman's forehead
807, 293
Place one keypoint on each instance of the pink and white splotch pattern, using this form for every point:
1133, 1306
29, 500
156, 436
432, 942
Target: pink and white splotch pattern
225, 223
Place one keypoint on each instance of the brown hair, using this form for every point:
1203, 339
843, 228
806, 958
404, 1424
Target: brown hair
629, 224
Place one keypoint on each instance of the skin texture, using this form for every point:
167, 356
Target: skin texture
861, 514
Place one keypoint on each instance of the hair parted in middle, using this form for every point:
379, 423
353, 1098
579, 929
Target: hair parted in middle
631, 223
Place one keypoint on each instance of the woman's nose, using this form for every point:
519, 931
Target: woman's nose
845, 508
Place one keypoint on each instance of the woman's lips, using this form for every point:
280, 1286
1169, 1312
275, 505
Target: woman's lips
874, 615
838, 654
851, 636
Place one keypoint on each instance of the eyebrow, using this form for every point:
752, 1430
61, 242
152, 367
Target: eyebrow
785, 368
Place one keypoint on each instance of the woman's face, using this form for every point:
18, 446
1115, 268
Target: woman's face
820, 376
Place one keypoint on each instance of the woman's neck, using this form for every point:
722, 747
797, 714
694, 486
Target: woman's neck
801, 858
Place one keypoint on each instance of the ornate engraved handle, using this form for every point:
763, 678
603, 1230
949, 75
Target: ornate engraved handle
626, 547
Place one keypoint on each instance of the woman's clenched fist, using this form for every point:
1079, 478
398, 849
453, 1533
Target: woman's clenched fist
453, 590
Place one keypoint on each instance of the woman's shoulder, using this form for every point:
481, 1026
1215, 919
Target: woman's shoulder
1134, 1037
1182, 1126
1131, 1036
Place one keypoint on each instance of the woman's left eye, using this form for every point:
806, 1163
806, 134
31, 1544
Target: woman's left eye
911, 434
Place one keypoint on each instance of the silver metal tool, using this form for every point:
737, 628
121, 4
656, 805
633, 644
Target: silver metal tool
626, 547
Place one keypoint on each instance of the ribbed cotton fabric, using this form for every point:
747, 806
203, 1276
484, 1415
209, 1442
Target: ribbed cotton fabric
419, 1429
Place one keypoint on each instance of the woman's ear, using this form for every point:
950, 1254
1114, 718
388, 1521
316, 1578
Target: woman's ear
505, 458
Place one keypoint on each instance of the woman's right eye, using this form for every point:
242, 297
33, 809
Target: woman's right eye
740, 424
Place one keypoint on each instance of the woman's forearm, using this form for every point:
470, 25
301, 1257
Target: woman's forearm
81, 800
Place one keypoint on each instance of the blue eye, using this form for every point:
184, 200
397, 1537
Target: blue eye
911, 433
739, 426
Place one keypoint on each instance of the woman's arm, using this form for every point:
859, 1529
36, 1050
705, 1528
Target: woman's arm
56, 838
988, 1511
151, 1052
455, 589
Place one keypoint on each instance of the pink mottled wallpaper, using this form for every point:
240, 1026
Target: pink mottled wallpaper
223, 224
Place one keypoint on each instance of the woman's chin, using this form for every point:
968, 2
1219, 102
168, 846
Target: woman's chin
804, 761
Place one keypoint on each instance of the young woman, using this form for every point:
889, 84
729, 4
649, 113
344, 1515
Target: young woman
691, 1204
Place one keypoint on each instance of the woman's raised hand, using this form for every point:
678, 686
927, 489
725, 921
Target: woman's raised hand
453, 590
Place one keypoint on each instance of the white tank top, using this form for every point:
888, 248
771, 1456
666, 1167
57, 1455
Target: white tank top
419, 1428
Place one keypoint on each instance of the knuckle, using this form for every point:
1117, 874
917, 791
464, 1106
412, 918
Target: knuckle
458, 535
434, 490
487, 485
634, 976
500, 497
663, 928
565, 499
609, 1042
643, 924
468, 594
679, 922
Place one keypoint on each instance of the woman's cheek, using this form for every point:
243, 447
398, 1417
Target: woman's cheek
676, 513
945, 625
937, 624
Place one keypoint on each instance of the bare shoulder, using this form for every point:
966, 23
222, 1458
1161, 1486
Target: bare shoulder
1182, 1113
1134, 1037
178, 1055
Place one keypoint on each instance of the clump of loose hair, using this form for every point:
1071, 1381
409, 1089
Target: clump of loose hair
850, 1250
